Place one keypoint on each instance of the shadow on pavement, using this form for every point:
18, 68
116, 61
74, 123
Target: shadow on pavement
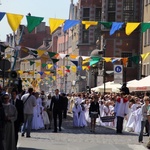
67, 127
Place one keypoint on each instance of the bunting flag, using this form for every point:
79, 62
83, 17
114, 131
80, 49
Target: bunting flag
125, 61
144, 56
47, 72
20, 72
107, 59
85, 68
55, 23
106, 24
86, 61
51, 54
79, 68
40, 52
31, 72
62, 56
89, 23
68, 67
49, 66
135, 59
55, 60
116, 59
54, 77
74, 62
44, 65
67, 70
40, 72
73, 56
31, 63
130, 27
33, 22
115, 26
94, 60
2, 14
145, 26
37, 64
74, 69
14, 20
70, 23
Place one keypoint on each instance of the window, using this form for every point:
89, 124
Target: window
98, 14
111, 10
128, 10
86, 13
129, 60
145, 38
85, 35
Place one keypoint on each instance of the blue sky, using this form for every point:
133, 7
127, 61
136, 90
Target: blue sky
40, 8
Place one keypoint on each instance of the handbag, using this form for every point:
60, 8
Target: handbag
107, 118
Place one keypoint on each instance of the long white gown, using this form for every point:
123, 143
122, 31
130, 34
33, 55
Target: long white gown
76, 110
37, 122
82, 120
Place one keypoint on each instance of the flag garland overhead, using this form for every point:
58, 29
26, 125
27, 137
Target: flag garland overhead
14, 21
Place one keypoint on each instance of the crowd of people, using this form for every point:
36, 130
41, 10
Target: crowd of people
30, 110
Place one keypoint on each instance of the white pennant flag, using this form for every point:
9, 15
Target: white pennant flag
62, 56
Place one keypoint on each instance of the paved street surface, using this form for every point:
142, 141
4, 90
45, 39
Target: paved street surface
80, 139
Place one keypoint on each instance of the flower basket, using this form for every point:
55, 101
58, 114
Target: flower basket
108, 118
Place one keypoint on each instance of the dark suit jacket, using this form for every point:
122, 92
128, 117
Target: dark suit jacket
19, 107
57, 104
94, 107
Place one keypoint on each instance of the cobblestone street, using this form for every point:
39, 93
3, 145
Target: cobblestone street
81, 139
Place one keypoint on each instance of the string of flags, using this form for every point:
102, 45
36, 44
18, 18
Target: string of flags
14, 20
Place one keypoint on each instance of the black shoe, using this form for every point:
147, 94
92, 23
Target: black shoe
22, 134
28, 136
59, 129
54, 131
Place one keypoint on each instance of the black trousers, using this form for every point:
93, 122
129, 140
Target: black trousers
1, 139
65, 113
147, 127
17, 129
59, 115
119, 124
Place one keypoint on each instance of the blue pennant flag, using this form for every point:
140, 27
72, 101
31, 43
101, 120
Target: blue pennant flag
2, 15
75, 62
79, 68
41, 73
115, 26
70, 23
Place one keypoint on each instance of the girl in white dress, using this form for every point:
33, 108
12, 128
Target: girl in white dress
37, 122
82, 120
76, 110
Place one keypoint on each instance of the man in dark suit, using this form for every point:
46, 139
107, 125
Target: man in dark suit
20, 117
56, 106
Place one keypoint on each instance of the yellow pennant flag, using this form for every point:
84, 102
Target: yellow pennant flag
55, 23
85, 61
74, 69
20, 72
49, 66
89, 23
107, 59
144, 56
84, 67
37, 64
130, 27
47, 72
31, 72
40, 52
14, 20
54, 77
73, 56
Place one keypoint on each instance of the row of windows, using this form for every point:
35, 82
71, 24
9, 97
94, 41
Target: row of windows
146, 69
128, 15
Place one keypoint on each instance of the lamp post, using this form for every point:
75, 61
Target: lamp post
104, 67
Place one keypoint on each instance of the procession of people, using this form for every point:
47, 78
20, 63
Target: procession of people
31, 110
